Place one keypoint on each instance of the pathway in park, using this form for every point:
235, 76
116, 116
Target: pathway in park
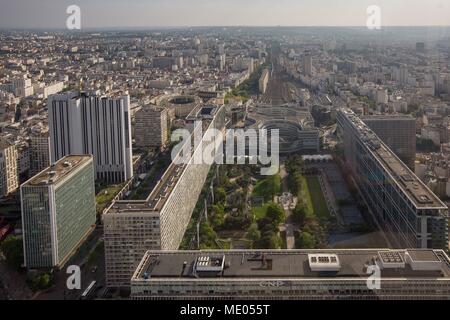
289, 226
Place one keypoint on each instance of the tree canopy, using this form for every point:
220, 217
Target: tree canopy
12, 249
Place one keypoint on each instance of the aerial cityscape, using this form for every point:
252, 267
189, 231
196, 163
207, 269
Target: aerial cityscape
202, 160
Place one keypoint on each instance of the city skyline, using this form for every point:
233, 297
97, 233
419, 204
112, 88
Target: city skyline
224, 150
102, 14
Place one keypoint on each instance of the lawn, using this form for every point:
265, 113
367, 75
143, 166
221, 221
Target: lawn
316, 197
268, 187
260, 212
106, 195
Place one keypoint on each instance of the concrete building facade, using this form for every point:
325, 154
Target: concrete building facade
151, 128
39, 151
9, 158
160, 221
93, 124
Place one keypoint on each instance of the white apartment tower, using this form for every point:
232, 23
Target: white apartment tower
22, 87
93, 124
9, 181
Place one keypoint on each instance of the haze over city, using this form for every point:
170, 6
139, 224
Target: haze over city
163, 13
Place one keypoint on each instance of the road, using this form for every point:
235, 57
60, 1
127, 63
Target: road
59, 290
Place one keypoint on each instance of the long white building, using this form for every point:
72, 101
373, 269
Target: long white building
93, 124
344, 274
159, 221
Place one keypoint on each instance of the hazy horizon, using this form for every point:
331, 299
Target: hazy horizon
139, 14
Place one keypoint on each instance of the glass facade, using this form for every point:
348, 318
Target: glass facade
410, 225
57, 217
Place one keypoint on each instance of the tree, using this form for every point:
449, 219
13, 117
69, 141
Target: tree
40, 282
240, 222
218, 218
220, 196
273, 185
300, 214
12, 249
207, 234
306, 241
253, 233
270, 240
275, 213
266, 224
269, 187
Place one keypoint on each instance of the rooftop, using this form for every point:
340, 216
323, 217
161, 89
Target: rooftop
287, 264
394, 117
59, 170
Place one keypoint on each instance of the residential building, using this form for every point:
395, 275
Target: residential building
159, 221
9, 179
307, 64
93, 124
151, 127
264, 81
39, 151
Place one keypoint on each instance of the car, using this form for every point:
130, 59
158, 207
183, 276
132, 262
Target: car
94, 269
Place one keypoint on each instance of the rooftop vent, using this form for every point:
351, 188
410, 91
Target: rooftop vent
324, 262
423, 260
391, 259
210, 264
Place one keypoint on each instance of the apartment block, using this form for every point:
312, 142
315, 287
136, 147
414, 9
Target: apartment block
160, 221
89, 123
9, 159
151, 128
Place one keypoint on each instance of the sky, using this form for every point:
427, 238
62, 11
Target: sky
52, 14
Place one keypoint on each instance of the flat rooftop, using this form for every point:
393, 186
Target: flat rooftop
279, 264
59, 170
393, 117
408, 182
157, 198
423, 255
